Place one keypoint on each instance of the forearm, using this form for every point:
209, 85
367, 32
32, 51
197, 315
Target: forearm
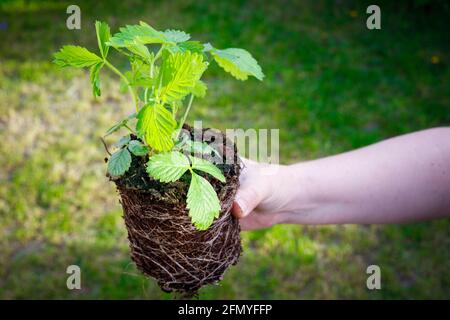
402, 179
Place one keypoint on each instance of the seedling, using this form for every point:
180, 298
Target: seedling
164, 77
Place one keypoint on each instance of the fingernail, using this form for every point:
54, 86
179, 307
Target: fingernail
242, 206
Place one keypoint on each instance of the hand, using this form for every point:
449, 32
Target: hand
403, 179
258, 202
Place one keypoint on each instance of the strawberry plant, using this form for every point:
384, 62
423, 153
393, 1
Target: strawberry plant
176, 203
160, 82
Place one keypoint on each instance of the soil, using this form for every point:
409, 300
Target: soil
164, 243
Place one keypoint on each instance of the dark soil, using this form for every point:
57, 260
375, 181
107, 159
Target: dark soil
164, 243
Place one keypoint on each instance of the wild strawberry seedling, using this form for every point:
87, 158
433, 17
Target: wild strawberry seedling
164, 78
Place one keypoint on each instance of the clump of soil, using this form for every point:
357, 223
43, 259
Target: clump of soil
164, 243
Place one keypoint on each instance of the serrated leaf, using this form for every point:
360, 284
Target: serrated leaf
167, 167
95, 80
176, 35
150, 35
141, 51
122, 141
178, 75
199, 90
192, 46
119, 162
208, 167
140, 74
156, 125
238, 62
137, 148
129, 35
103, 35
202, 202
186, 144
199, 147
75, 56
143, 34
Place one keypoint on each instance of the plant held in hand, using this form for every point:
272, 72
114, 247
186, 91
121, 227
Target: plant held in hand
176, 203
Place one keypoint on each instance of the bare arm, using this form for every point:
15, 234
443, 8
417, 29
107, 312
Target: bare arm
403, 179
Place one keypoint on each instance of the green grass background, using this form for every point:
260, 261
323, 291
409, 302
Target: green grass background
331, 85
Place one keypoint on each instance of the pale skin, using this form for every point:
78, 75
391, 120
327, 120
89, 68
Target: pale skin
399, 180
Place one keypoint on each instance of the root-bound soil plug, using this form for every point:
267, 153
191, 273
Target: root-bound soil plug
176, 188
164, 243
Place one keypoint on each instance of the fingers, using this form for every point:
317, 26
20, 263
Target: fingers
249, 223
245, 224
237, 211
247, 199
248, 195
258, 220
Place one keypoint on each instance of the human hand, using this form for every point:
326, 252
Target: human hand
355, 187
259, 200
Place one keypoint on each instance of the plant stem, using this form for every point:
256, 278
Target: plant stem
120, 74
152, 66
145, 95
183, 120
104, 144
132, 131
151, 69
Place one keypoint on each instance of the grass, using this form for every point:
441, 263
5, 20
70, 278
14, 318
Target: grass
331, 85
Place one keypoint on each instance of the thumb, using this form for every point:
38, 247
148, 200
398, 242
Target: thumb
247, 199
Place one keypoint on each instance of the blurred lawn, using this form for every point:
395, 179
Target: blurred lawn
331, 86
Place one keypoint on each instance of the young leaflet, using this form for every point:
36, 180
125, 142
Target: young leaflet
160, 81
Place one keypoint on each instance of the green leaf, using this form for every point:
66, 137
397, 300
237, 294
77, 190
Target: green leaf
186, 144
192, 46
179, 74
123, 141
238, 62
140, 74
75, 56
149, 35
119, 162
141, 51
168, 167
119, 125
199, 90
156, 125
129, 35
95, 80
103, 35
137, 148
199, 147
208, 167
202, 202
176, 35
144, 34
